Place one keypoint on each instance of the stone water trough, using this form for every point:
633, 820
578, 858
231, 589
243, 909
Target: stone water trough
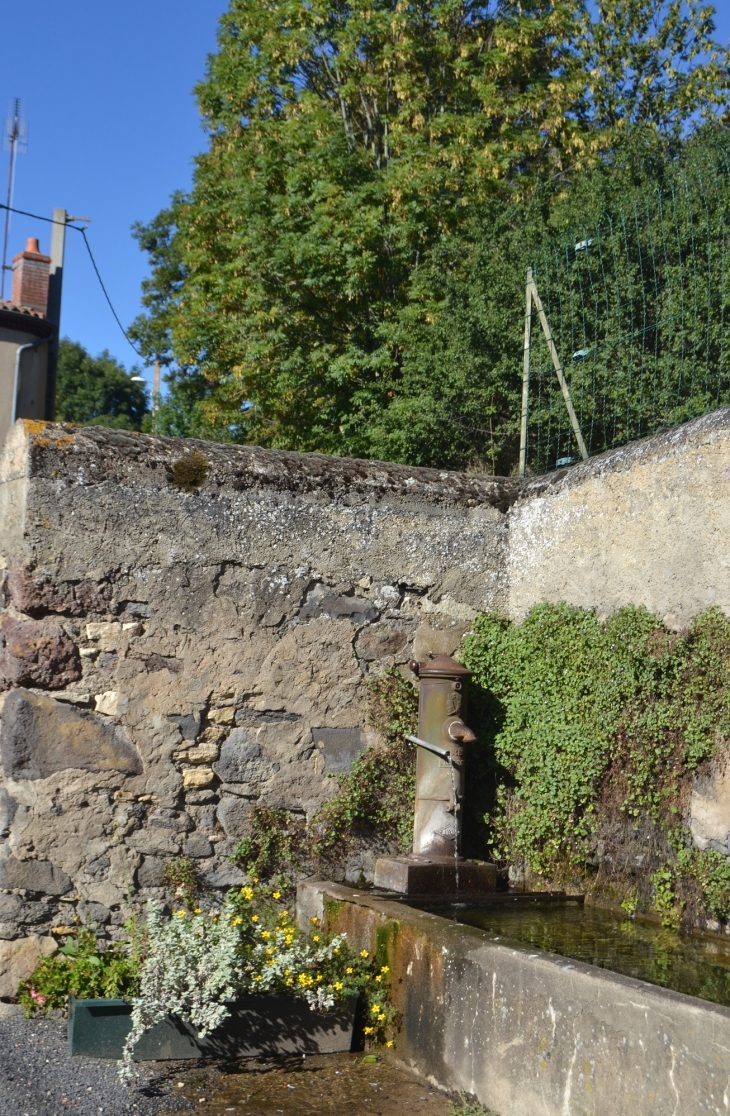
530, 1033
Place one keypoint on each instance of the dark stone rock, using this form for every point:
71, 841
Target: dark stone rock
10, 907
40, 736
8, 806
157, 662
138, 608
188, 725
339, 746
151, 872
241, 760
246, 716
94, 914
199, 797
197, 845
176, 820
98, 868
36, 653
34, 913
33, 875
323, 602
224, 875
234, 814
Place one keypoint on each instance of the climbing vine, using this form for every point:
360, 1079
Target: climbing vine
595, 730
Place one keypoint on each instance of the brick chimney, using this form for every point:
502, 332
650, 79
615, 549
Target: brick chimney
30, 277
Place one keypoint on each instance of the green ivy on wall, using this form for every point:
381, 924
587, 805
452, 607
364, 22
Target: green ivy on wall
595, 729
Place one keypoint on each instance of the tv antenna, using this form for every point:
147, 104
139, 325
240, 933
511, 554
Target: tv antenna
15, 139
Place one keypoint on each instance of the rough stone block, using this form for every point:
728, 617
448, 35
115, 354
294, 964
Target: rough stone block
36, 653
242, 761
233, 814
33, 875
339, 746
197, 846
18, 959
151, 872
40, 736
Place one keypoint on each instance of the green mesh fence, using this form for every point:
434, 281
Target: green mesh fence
638, 303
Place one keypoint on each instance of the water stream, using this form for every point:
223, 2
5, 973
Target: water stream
698, 965
456, 823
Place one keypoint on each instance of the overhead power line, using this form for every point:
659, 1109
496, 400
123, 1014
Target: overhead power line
77, 228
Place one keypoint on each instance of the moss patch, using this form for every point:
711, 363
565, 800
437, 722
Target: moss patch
189, 472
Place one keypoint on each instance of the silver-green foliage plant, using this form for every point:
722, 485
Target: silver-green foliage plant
191, 968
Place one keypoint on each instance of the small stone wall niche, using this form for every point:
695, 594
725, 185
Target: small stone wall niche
171, 655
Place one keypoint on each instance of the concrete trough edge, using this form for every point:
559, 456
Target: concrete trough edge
529, 1032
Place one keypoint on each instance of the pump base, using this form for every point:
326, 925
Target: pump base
432, 876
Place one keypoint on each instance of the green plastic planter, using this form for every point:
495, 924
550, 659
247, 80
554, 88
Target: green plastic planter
257, 1026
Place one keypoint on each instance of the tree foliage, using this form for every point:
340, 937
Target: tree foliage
97, 391
371, 167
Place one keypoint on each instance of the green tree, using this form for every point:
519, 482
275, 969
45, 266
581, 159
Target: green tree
356, 153
97, 391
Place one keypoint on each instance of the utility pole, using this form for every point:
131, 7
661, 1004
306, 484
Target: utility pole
15, 135
53, 313
156, 388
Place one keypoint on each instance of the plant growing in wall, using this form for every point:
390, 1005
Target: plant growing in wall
596, 730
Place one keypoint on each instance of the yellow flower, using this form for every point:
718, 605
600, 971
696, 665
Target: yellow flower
269, 950
378, 978
367, 976
315, 938
364, 953
290, 981
389, 1043
181, 913
284, 914
338, 985
336, 950
254, 918
276, 895
369, 1030
375, 1009
319, 977
381, 1019
385, 969
255, 879
348, 971
257, 978
288, 941
197, 910
265, 934
315, 919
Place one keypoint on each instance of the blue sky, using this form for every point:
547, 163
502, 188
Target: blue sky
113, 129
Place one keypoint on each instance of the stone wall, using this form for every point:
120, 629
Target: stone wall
187, 629
648, 523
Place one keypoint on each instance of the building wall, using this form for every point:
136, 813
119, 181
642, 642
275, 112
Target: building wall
170, 657
32, 386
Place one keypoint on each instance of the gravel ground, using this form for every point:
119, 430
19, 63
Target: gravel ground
39, 1078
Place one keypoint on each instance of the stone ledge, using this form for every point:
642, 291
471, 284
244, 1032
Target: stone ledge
119, 455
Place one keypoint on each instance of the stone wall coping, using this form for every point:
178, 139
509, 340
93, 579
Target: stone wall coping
667, 443
115, 452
